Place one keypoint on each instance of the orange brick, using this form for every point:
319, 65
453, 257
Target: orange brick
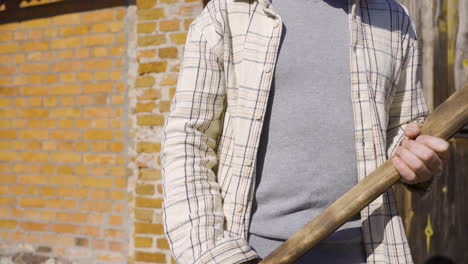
67, 77
145, 4
115, 233
6, 36
144, 202
63, 180
82, 52
150, 120
99, 146
34, 226
35, 45
151, 40
65, 123
65, 89
169, 80
116, 75
7, 201
145, 107
100, 51
101, 87
144, 81
99, 158
150, 67
169, 25
150, 257
51, 78
65, 157
146, 27
144, 189
48, 191
98, 64
94, 231
8, 133
66, 54
115, 246
149, 14
7, 178
98, 194
96, 182
115, 26
146, 53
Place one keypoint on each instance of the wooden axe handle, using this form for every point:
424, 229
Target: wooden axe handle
443, 122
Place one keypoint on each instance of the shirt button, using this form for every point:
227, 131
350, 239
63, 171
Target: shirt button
248, 162
239, 208
276, 24
267, 68
258, 115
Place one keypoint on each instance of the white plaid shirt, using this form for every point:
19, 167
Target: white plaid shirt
212, 132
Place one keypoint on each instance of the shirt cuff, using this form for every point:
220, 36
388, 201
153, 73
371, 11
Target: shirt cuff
228, 251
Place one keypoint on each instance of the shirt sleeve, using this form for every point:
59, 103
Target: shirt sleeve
192, 208
408, 103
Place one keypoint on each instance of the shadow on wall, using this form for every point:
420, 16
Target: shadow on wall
14, 12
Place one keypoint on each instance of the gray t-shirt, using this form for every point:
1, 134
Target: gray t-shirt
306, 158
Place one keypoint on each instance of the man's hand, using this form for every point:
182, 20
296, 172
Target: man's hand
421, 159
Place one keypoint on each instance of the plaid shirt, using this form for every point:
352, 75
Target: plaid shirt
211, 135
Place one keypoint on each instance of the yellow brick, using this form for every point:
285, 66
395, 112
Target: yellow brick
74, 30
98, 64
34, 156
148, 228
66, 228
96, 206
6, 223
68, 19
148, 14
143, 242
35, 45
34, 67
164, 106
98, 16
6, 36
61, 203
150, 120
100, 158
103, 39
64, 135
62, 43
34, 134
148, 147
144, 81
98, 87
35, 78
98, 134
99, 28
145, 4
65, 89
144, 189
35, 113
116, 75
64, 180
49, 191
151, 40
145, 107
169, 25
149, 174
51, 78
143, 214
33, 226
96, 182
169, 80
151, 67
100, 112
65, 157
32, 179
162, 243
63, 66
167, 53
150, 257
65, 112
144, 202
7, 201
100, 51
8, 133
31, 202
179, 38
84, 76
115, 26
40, 22
35, 90
146, 27
67, 77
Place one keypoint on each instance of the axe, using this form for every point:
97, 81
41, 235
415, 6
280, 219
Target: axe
446, 120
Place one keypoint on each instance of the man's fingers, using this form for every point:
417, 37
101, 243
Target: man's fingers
439, 145
407, 175
424, 153
412, 130
416, 165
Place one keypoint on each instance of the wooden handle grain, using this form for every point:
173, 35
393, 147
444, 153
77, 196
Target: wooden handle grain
443, 122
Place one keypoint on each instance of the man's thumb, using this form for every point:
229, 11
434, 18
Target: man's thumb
413, 130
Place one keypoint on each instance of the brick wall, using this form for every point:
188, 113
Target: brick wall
63, 163
83, 98
161, 33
